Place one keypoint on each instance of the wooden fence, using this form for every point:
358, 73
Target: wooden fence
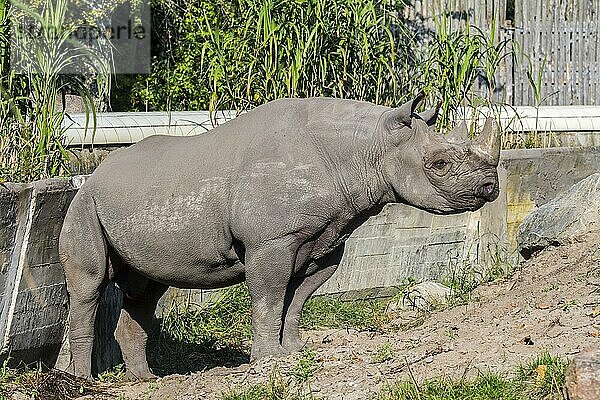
558, 43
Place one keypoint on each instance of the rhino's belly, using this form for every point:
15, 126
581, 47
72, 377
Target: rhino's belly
189, 276
189, 264
188, 250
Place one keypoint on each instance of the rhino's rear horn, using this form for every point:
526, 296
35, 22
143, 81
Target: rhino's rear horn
459, 134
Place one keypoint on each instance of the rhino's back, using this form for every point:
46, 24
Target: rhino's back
283, 130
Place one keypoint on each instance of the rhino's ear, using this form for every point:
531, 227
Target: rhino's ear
430, 116
403, 115
421, 131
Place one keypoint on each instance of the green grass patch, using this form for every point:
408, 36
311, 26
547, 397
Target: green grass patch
196, 336
115, 374
488, 386
544, 375
330, 312
281, 386
306, 366
224, 321
541, 378
463, 276
276, 388
384, 353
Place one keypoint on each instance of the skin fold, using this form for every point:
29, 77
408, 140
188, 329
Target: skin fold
269, 198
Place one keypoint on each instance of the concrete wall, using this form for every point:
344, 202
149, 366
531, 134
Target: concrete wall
33, 306
34, 301
399, 243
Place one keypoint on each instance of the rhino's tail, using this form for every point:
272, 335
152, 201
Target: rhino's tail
83, 254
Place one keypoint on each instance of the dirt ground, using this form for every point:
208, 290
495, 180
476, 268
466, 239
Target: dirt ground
551, 304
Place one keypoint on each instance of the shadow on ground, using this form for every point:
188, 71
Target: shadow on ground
167, 356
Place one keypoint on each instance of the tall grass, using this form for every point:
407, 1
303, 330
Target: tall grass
239, 54
34, 66
459, 68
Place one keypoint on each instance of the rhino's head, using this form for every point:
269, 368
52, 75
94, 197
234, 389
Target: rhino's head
443, 174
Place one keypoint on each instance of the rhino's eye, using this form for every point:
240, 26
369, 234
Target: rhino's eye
440, 164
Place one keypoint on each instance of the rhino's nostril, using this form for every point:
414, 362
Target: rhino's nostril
487, 189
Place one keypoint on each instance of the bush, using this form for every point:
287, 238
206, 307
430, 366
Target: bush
215, 55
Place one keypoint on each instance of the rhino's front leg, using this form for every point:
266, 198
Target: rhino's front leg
268, 272
300, 291
306, 286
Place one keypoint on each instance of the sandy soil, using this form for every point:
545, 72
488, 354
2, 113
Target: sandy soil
552, 304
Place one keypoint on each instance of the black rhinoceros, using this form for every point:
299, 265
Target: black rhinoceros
269, 198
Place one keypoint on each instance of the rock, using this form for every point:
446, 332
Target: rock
583, 377
426, 294
563, 219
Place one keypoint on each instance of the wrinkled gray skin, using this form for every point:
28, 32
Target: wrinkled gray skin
269, 198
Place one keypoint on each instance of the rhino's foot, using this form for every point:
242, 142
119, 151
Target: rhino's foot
292, 345
139, 375
71, 370
271, 351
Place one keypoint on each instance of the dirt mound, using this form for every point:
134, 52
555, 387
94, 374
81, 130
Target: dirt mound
551, 304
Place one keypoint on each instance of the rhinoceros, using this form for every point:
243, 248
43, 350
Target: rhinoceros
268, 198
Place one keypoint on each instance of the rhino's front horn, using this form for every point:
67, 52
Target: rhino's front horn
488, 142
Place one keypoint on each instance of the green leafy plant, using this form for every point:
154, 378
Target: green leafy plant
240, 54
31, 123
458, 67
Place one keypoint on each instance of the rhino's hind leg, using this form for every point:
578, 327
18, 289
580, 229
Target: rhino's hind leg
82, 251
135, 323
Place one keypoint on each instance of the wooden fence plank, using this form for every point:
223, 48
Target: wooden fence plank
565, 33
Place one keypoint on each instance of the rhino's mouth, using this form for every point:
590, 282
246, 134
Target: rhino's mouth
460, 204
